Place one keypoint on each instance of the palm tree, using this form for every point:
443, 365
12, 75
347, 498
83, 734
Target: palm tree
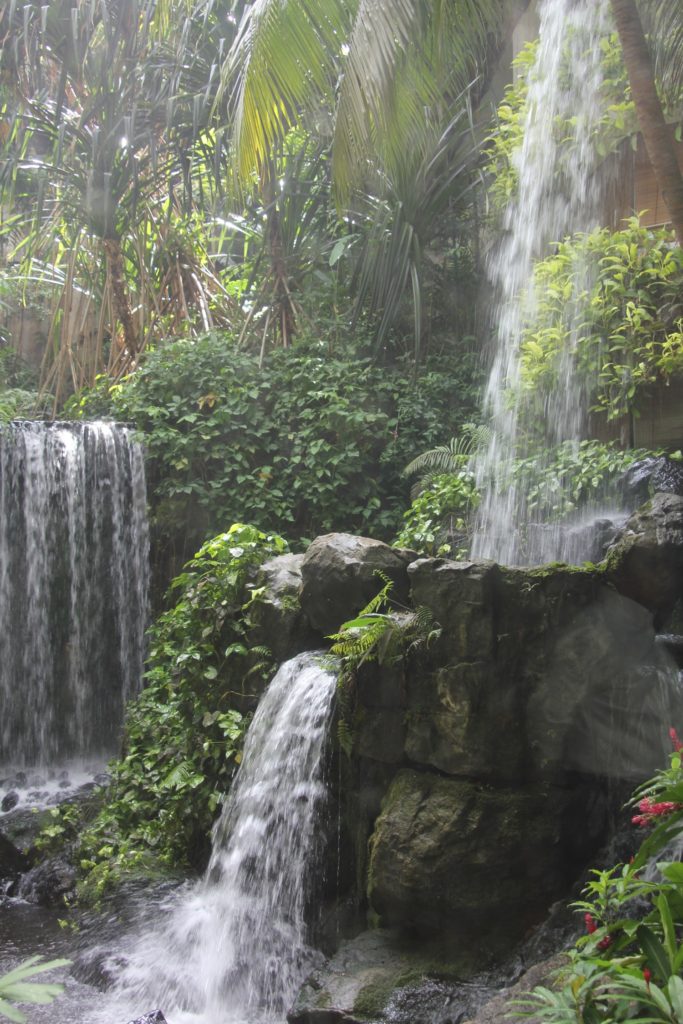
106, 154
341, 66
385, 84
656, 133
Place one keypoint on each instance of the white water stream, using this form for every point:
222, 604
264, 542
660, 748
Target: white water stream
559, 193
73, 588
234, 948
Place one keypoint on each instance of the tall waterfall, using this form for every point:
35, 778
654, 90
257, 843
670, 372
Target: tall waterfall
235, 949
559, 193
73, 586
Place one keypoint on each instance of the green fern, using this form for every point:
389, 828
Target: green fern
448, 458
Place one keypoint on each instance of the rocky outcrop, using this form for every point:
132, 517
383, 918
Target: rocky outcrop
277, 618
474, 861
379, 971
340, 575
479, 761
654, 474
646, 562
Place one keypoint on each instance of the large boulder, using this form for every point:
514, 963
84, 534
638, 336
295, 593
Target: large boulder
646, 562
341, 573
479, 862
278, 621
379, 975
537, 674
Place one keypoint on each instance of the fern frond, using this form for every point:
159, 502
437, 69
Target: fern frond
449, 458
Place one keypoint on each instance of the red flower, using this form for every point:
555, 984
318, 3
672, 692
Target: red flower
605, 943
591, 926
647, 974
677, 745
650, 810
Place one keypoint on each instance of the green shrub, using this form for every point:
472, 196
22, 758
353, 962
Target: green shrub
183, 735
614, 300
307, 444
437, 521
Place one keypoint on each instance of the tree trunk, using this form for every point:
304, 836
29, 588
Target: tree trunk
114, 256
657, 135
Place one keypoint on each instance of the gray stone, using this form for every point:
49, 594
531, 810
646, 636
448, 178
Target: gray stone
460, 597
484, 863
12, 860
278, 621
339, 573
646, 562
363, 977
156, 1017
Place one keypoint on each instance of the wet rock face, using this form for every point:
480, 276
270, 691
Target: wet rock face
456, 856
279, 621
339, 574
491, 746
49, 883
656, 473
646, 562
156, 1017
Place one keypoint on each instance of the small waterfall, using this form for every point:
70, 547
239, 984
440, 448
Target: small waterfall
73, 587
234, 948
559, 193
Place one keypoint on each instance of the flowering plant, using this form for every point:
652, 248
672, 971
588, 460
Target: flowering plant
628, 965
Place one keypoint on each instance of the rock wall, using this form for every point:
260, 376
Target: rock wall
485, 766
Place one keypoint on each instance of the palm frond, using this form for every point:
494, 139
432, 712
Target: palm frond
451, 457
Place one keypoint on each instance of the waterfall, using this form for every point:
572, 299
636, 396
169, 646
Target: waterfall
73, 587
559, 193
234, 948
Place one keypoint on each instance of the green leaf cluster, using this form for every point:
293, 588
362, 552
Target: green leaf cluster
305, 444
437, 521
613, 302
184, 734
629, 966
556, 483
574, 475
16, 988
616, 123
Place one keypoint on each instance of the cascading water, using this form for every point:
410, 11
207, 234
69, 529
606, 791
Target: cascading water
73, 587
235, 947
559, 193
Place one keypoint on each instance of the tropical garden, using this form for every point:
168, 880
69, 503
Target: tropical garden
258, 234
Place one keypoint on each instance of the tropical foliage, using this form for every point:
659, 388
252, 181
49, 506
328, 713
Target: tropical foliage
628, 965
306, 444
614, 300
15, 987
567, 478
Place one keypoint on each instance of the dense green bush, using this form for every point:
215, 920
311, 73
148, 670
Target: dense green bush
437, 521
614, 299
183, 735
305, 445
